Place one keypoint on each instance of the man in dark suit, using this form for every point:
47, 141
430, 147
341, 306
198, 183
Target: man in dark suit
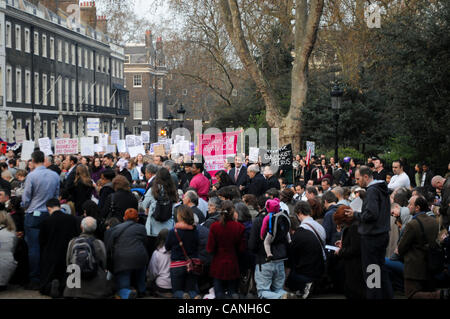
257, 185
71, 162
238, 174
427, 176
272, 180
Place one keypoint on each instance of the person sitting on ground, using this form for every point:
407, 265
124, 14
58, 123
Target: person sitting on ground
268, 229
8, 242
89, 252
158, 271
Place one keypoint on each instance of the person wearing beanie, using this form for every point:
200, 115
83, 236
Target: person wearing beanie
267, 233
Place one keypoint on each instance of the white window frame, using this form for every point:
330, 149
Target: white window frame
74, 93
52, 48
44, 128
37, 92
52, 90
107, 65
60, 98
18, 37
36, 43
102, 89
66, 52
9, 83
80, 92
160, 83
86, 59
44, 89
113, 67
8, 35
92, 90
60, 54
80, 57
127, 59
160, 111
108, 97
137, 78
86, 92
27, 87
135, 113
27, 40
91, 60
66, 92
97, 94
73, 54
44, 45
18, 85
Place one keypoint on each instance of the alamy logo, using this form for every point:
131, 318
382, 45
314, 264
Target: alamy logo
373, 16
374, 277
74, 279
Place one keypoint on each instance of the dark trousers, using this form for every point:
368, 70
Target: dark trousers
32, 229
225, 289
373, 251
183, 282
296, 281
420, 289
151, 245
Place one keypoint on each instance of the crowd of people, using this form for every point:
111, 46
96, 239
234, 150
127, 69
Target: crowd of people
111, 226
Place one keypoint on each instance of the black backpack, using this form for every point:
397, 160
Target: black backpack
163, 209
83, 255
279, 226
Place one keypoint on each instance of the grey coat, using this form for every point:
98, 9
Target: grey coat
130, 248
98, 287
8, 264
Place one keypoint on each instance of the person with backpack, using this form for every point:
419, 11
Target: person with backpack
307, 252
89, 254
270, 223
269, 276
417, 241
226, 239
126, 247
159, 204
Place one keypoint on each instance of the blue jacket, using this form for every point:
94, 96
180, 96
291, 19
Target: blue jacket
330, 226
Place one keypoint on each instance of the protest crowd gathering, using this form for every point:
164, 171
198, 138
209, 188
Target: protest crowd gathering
162, 226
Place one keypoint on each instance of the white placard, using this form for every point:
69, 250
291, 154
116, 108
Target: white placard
115, 136
27, 150
121, 146
45, 145
136, 150
20, 135
66, 146
253, 155
93, 126
87, 146
130, 140
98, 148
103, 140
110, 148
145, 136
138, 141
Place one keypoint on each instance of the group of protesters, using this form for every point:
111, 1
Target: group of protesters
111, 226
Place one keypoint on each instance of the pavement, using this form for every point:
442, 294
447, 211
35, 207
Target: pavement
16, 292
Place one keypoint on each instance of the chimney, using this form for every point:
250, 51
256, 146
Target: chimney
88, 13
159, 44
148, 38
102, 24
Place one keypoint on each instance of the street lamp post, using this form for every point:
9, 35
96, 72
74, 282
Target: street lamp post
170, 123
181, 113
336, 100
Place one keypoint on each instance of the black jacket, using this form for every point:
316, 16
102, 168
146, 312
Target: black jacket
257, 186
306, 255
130, 246
106, 190
381, 175
355, 286
211, 220
79, 193
376, 210
256, 244
122, 201
54, 237
273, 182
127, 175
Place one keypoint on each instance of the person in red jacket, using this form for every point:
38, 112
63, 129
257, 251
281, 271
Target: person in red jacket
226, 239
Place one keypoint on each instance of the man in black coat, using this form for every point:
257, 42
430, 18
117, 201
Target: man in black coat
71, 162
238, 174
257, 185
272, 180
56, 233
374, 226
106, 178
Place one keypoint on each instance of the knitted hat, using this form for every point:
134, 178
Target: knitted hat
273, 205
131, 214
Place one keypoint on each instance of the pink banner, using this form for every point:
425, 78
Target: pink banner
215, 149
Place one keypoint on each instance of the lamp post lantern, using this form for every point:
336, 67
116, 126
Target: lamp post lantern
181, 113
336, 100
170, 123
